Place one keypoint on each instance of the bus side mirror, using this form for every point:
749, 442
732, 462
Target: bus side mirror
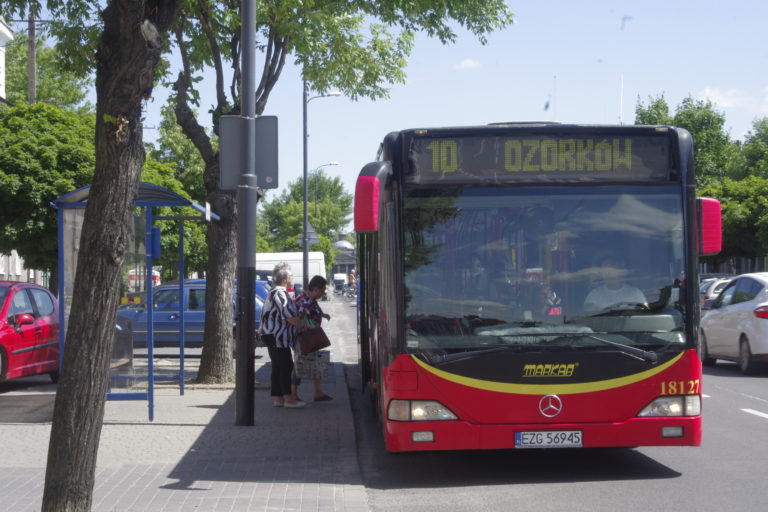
710, 226
367, 191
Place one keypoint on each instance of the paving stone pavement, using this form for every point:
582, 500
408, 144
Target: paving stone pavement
193, 456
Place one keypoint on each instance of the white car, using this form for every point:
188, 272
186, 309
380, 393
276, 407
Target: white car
735, 328
711, 288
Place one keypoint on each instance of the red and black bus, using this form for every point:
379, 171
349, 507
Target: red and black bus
532, 286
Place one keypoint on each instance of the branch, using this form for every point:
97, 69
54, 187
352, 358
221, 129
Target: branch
234, 45
205, 22
273, 66
185, 116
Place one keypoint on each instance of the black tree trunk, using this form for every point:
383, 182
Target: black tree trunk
126, 59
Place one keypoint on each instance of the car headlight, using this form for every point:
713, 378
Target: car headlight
419, 410
665, 406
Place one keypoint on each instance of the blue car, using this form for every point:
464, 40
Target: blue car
166, 317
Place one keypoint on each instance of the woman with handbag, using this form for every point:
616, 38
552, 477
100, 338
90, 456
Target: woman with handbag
312, 315
280, 323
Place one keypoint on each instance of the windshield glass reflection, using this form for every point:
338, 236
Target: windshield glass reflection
550, 267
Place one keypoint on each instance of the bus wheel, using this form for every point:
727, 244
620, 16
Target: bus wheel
706, 359
375, 396
746, 365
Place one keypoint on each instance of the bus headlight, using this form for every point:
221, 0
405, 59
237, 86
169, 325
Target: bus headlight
665, 406
419, 410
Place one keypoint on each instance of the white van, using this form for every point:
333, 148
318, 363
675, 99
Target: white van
315, 260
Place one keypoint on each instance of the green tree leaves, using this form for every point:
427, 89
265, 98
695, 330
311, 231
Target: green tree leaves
712, 147
56, 84
329, 208
46, 152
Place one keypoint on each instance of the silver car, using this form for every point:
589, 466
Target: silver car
735, 328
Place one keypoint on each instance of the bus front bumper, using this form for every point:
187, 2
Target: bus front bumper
463, 435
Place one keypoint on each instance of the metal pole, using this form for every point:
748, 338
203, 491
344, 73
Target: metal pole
247, 197
31, 61
306, 213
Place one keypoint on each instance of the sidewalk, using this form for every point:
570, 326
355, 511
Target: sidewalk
192, 456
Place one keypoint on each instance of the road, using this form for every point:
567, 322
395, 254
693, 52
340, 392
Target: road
725, 473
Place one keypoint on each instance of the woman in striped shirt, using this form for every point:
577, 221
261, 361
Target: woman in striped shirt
280, 323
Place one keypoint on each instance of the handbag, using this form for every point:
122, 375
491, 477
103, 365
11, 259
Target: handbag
313, 339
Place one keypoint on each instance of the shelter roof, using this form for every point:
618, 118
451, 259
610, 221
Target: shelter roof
148, 195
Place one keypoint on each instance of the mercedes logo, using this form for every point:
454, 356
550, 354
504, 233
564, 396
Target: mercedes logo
550, 405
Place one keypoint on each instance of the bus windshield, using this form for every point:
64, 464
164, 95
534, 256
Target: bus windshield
562, 267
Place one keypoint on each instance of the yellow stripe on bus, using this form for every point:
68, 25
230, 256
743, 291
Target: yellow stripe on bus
543, 389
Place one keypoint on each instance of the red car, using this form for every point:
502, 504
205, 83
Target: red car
29, 331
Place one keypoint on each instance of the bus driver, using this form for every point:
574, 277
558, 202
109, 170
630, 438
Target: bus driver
613, 290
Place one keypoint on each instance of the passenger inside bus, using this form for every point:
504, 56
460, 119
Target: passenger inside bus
475, 279
614, 290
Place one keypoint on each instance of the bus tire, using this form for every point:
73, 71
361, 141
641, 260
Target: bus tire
373, 395
706, 359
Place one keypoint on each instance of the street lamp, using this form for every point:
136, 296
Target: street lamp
314, 171
305, 102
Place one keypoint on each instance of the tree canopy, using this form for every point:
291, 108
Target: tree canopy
46, 152
744, 205
713, 150
56, 84
755, 149
329, 208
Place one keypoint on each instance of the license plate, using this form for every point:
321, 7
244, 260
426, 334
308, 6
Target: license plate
549, 439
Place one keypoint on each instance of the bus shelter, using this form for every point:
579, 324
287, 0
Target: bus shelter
139, 277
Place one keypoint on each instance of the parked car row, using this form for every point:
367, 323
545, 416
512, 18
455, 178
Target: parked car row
734, 326
132, 319
29, 323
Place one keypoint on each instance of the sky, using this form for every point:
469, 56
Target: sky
572, 62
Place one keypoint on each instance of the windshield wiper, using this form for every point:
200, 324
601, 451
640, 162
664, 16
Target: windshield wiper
457, 356
639, 353
624, 308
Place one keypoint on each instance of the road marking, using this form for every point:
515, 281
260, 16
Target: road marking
756, 413
705, 396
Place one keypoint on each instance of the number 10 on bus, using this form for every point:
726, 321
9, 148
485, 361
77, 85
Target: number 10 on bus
445, 155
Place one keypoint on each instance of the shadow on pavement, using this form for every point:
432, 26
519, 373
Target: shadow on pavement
284, 446
27, 400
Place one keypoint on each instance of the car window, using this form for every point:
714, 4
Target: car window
43, 301
197, 299
726, 297
757, 288
167, 300
743, 291
21, 304
702, 288
719, 287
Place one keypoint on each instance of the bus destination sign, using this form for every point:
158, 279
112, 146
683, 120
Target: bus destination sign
502, 158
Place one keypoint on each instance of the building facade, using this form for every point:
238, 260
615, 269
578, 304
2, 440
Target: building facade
6, 36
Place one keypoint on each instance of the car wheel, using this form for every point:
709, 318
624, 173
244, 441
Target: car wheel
2, 365
706, 359
746, 365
